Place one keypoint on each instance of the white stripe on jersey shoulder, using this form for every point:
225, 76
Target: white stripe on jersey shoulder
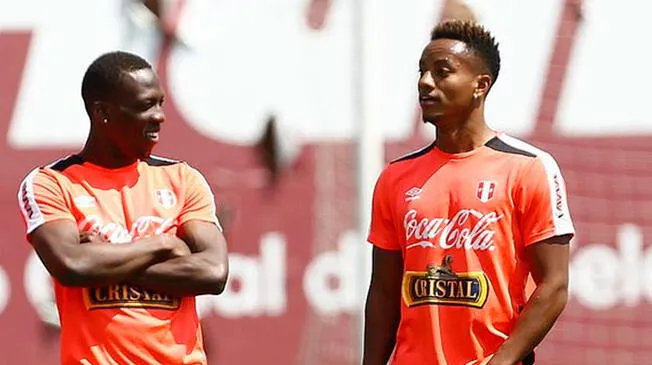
153, 160
27, 202
557, 187
53, 163
27, 184
546, 158
161, 158
414, 154
521, 145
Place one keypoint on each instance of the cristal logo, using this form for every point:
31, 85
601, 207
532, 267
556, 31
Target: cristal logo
142, 227
459, 232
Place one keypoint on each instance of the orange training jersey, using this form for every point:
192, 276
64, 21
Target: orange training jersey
462, 222
121, 324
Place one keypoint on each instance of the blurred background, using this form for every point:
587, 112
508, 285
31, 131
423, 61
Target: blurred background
291, 107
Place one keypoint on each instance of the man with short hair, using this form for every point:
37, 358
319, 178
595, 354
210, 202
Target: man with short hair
459, 226
129, 238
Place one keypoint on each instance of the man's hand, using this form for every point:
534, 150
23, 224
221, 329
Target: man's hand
179, 249
95, 262
204, 271
89, 237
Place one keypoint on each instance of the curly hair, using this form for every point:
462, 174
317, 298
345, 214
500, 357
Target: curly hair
476, 37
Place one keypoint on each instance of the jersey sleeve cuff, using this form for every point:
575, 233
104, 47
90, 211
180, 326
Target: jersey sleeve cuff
32, 226
382, 243
201, 218
538, 237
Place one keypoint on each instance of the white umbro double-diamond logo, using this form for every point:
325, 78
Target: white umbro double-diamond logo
85, 201
413, 194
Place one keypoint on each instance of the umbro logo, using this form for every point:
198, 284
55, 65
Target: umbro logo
85, 201
413, 194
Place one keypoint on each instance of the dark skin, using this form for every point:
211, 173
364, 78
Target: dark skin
383, 306
125, 126
548, 261
453, 85
452, 89
124, 129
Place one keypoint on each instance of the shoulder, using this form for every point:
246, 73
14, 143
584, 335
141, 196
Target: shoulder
507, 144
184, 167
157, 165
160, 161
42, 185
398, 167
183, 172
50, 172
406, 162
504, 143
60, 165
188, 174
539, 168
412, 156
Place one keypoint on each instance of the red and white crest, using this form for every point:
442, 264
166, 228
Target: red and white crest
485, 190
166, 198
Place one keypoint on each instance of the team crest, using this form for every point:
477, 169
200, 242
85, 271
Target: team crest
486, 190
166, 198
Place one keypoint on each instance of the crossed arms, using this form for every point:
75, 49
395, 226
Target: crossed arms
192, 263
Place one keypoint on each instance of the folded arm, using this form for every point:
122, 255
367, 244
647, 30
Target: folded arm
71, 263
204, 271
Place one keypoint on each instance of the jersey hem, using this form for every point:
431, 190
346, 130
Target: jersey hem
48, 220
548, 234
382, 244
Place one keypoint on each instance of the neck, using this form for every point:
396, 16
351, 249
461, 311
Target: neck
100, 152
464, 136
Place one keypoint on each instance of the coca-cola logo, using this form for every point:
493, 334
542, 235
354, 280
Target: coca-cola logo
468, 229
142, 227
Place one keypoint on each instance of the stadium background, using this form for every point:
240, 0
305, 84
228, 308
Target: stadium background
246, 75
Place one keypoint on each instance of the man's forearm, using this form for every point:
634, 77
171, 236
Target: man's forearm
542, 310
381, 325
97, 264
194, 274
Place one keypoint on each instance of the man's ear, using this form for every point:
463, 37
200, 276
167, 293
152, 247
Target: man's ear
482, 86
99, 112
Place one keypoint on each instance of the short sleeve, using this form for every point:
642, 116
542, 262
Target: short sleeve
382, 232
41, 200
542, 202
199, 201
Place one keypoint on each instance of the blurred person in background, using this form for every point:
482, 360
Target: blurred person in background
150, 27
129, 238
459, 226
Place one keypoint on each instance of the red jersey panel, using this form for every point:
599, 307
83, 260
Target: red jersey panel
121, 324
462, 222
